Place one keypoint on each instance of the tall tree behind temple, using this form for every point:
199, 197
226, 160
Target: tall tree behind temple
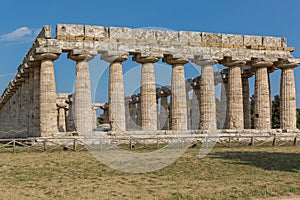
276, 112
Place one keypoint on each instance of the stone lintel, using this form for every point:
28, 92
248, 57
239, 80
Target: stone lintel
114, 56
146, 58
204, 61
48, 49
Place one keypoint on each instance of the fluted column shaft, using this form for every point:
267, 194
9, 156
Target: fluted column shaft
116, 97
224, 116
138, 115
83, 99
195, 119
235, 98
262, 99
61, 119
31, 105
148, 93
48, 112
36, 100
132, 115
164, 117
288, 99
246, 101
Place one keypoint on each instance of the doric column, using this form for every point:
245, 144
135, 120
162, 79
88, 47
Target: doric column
261, 94
287, 94
164, 119
207, 95
246, 101
83, 99
148, 92
138, 114
61, 118
132, 115
116, 96
188, 107
36, 98
48, 115
31, 105
224, 122
178, 96
195, 119
235, 94
128, 124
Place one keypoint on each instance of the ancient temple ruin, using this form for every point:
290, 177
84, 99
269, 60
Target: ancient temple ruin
31, 106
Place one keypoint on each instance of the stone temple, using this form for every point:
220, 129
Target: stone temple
30, 106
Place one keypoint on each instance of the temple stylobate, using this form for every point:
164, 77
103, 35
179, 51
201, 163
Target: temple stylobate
30, 105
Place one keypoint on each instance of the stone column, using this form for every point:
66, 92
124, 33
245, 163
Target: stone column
148, 92
164, 113
262, 108
188, 108
48, 112
116, 96
235, 94
83, 99
36, 99
94, 110
287, 96
61, 118
195, 119
207, 95
138, 115
31, 105
224, 122
132, 115
246, 101
178, 96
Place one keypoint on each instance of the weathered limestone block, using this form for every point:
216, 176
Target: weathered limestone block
45, 32
144, 34
212, 38
271, 41
231, 39
69, 31
166, 35
188, 36
118, 32
96, 33
61, 119
252, 40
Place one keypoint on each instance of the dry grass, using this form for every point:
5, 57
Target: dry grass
227, 173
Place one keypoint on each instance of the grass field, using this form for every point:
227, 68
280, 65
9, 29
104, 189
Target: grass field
226, 173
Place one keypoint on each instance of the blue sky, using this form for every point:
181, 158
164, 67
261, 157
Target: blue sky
20, 21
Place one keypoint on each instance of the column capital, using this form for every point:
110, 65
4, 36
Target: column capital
143, 58
287, 63
257, 62
82, 55
46, 56
172, 60
228, 62
204, 61
112, 57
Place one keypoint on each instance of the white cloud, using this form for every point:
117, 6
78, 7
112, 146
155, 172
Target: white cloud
20, 34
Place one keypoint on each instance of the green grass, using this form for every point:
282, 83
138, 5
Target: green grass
226, 173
